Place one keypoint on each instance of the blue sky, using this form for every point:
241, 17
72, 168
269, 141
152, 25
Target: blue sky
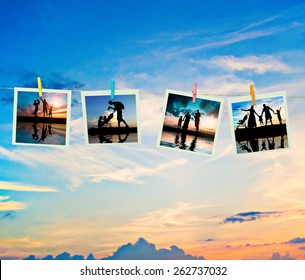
94, 199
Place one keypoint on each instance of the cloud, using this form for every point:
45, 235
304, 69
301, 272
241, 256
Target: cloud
12, 206
143, 250
248, 216
297, 240
278, 256
11, 186
258, 64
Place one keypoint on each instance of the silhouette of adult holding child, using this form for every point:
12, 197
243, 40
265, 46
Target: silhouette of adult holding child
251, 119
118, 107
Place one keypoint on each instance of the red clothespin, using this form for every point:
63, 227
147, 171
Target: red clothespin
252, 94
194, 92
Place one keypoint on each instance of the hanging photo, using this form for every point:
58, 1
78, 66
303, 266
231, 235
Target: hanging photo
188, 126
110, 121
260, 127
41, 120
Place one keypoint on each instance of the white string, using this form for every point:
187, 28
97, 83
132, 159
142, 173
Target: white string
157, 92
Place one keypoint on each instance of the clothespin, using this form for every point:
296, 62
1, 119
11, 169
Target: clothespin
112, 88
39, 86
252, 94
194, 92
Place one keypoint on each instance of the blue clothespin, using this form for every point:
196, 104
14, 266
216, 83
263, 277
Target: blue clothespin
112, 89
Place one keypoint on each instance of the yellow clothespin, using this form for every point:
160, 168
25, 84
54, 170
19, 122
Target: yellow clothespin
252, 94
39, 86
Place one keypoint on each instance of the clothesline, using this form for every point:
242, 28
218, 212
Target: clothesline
159, 92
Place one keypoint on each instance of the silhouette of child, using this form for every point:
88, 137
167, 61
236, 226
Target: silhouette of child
278, 113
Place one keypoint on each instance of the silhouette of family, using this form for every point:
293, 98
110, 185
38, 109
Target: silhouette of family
186, 120
251, 116
47, 109
115, 106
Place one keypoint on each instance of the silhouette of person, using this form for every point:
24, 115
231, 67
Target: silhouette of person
282, 143
36, 103
43, 133
104, 120
104, 139
278, 113
268, 116
50, 110
186, 120
118, 107
242, 122
50, 129
44, 106
254, 145
245, 147
183, 140
197, 120
180, 122
176, 141
251, 120
264, 145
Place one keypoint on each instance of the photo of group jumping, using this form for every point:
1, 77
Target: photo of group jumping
41, 120
110, 121
190, 126
259, 127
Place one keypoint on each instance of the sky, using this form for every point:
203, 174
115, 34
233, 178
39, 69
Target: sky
95, 199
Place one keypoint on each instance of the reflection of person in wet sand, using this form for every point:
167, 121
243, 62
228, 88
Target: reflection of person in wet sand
50, 129
254, 145
271, 144
44, 107
251, 120
282, 143
193, 144
44, 133
104, 139
264, 145
35, 134
180, 122
186, 120
197, 120
268, 116
36, 103
183, 140
118, 107
278, 113
122, 140
245, 147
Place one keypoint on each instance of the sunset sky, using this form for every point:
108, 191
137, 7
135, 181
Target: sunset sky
93, 199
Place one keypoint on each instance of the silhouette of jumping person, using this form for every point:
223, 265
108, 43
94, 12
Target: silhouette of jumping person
268, 116
180, 122
278, 113
186, 120
44, 107
197, 120
242, 122
36, 103
251, 120
118, 107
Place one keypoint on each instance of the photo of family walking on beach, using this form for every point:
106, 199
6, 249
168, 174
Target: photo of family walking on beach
110, 121
259, 127
41, 120
190, 126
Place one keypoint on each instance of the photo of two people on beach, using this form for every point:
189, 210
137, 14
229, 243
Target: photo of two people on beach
260, 127
110, 121
190, 126
41, 120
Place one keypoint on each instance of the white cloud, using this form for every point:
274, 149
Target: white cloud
11, 205
11, 186
259, 64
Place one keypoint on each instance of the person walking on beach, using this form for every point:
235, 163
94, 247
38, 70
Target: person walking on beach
197, 120
267, 112
36, 103
118, 107
251, 119
186, 120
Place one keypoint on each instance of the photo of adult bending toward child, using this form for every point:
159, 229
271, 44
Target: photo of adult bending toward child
111, 121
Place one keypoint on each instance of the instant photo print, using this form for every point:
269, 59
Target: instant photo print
111, 121
188, 126
41, 120
261, 127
